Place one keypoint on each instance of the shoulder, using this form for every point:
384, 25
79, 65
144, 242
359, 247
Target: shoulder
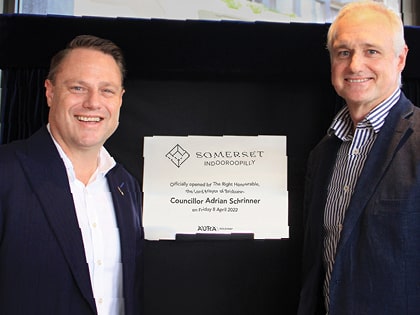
405, 108
38, 148
409, 112
8, 152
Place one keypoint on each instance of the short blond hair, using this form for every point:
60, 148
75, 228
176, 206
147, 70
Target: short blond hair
393, 17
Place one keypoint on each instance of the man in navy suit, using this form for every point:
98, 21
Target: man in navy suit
70, 216
362, 195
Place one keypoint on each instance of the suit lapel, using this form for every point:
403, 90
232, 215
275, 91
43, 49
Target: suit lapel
391, 137
47, 175
123, 210
127, 228
325, 161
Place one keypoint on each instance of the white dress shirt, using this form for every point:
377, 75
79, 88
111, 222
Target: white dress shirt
99, 229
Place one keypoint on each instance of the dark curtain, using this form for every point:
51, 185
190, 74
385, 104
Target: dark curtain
24, 108
23, 105
411, 88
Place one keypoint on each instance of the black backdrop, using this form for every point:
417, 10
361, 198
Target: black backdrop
200, 78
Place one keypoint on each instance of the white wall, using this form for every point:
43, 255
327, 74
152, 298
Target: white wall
318, 11
202, 9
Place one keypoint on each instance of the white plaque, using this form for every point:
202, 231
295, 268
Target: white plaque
215, 185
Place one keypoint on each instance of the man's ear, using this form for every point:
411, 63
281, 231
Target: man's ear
402, 58
49, 91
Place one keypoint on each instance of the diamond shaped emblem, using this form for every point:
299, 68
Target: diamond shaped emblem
177, 155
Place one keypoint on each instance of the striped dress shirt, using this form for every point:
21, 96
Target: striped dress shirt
351, 156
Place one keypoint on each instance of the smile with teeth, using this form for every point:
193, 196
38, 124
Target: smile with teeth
88, 119
358, 80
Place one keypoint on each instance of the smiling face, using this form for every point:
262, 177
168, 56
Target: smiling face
84, 100
365, 67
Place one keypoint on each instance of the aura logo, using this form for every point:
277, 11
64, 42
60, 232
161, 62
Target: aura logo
207, 228
178, 155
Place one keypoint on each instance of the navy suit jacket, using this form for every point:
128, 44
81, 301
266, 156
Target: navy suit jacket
43, 269
377, 264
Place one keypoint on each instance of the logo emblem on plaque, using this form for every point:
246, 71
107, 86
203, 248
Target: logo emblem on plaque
178, 155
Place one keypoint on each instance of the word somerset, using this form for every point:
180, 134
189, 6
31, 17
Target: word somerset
214, 200
229, 158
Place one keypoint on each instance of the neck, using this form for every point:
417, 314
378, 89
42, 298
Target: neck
85, 162
84, 166
357, 116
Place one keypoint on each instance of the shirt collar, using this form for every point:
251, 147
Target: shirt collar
105, 161
342, 125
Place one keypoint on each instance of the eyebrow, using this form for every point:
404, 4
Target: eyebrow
364, 45
82, 82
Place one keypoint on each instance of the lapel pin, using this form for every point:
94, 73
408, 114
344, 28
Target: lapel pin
120, 189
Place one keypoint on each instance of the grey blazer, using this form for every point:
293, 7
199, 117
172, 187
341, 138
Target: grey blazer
377, 264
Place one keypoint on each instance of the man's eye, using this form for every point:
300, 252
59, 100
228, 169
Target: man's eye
343, 53
372, 52
77, 89
109, 91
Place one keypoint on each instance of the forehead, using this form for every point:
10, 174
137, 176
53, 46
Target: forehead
366, 28
86, 61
